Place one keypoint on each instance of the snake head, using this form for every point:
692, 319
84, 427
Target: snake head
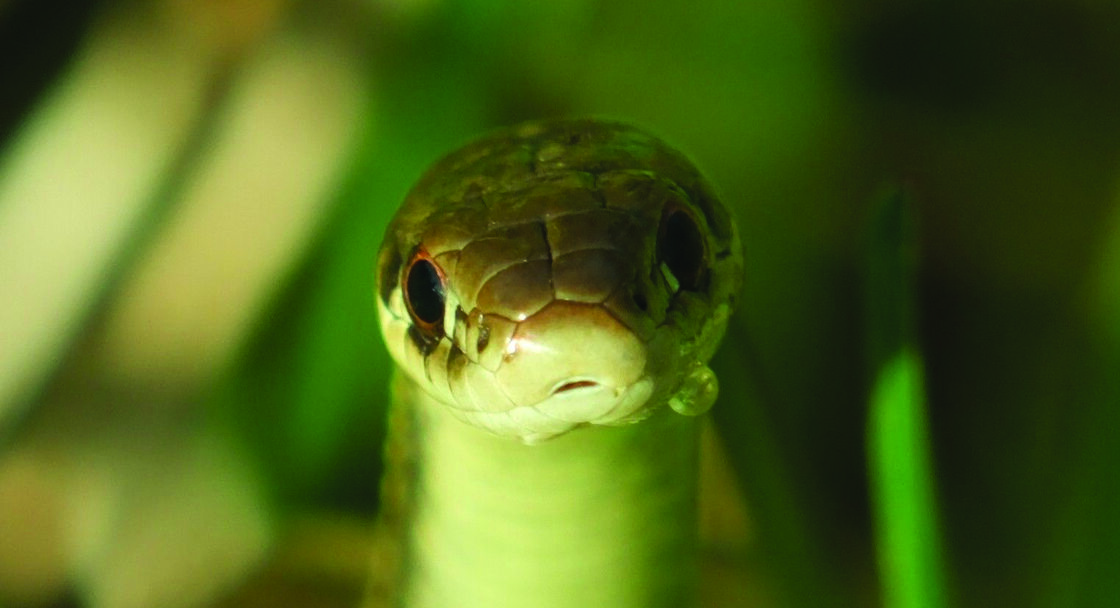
559, 274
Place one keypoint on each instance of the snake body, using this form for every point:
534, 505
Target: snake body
551, 294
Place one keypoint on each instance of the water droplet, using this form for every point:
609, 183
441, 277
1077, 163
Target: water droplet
697, 393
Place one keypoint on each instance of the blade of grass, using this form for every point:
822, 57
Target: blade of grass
1087, 547
1102, 472
900, 468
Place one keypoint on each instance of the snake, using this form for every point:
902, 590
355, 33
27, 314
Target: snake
551, 295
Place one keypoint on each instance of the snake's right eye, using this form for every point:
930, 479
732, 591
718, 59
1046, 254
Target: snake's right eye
425, 292
681, 249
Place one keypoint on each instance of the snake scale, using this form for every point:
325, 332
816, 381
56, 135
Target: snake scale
551, 294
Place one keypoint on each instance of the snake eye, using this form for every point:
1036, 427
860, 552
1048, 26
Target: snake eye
681, 250
424, 292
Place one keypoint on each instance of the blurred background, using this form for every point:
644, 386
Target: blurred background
192, 383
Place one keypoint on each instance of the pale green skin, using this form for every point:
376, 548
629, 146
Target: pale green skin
604, 516
504, 489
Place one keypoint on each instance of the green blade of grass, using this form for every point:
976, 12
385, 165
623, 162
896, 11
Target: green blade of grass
902, 486
1086, 550
900, 468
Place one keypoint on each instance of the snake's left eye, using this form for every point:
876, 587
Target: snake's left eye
681, 249
424, 292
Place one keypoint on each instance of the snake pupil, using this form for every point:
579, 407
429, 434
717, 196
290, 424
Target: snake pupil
680, 247
424, 293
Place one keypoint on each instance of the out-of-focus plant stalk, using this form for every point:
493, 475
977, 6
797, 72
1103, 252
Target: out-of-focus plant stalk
244, 217
79, 176
900, 469
1087, 552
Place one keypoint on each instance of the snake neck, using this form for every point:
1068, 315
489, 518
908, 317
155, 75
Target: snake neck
602, 516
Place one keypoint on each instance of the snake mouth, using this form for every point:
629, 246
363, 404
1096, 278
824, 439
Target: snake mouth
574, 385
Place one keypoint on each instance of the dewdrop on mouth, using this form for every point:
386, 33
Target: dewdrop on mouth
698, 391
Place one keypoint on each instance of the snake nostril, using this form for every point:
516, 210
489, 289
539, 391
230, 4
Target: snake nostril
574, 385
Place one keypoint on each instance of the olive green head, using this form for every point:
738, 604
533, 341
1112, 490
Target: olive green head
559, 274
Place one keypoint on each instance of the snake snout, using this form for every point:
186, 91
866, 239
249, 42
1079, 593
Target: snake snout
572, 360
